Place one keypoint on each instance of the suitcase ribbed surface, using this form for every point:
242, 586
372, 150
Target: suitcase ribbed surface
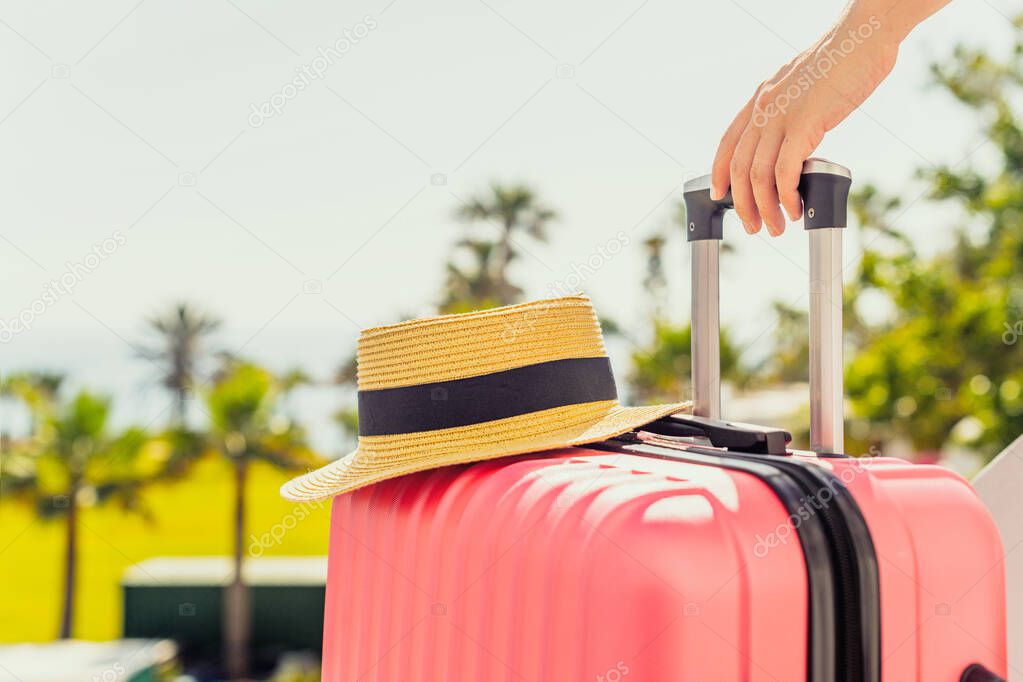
574, 565
587, 565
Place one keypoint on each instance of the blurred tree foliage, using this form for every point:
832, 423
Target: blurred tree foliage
72, 460
946, 365
36, 390
478, 272
248, 423
791, 360
660, 368
177, 351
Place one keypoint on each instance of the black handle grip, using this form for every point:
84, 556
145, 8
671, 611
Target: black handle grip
823, 186
978, 673
736, 436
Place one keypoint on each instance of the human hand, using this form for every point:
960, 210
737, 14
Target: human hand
761, 154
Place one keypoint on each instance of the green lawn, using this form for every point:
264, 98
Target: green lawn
189, 517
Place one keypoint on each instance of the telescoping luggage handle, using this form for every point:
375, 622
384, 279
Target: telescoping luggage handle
824, 188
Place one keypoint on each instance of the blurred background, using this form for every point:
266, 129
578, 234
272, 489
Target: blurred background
207, 200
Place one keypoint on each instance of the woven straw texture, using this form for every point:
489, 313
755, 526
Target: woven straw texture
472, 344
459, 346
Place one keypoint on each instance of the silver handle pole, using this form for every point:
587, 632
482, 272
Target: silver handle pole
706, 329
827, 416
824, 187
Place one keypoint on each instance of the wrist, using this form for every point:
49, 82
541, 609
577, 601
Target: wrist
869, 33
894, 19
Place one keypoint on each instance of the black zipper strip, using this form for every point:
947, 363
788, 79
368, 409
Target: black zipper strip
844, 590
821, 650
858, 610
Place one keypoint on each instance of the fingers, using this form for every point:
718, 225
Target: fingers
720, 173
787, 170
762, 178
796, 147
739, 172
761, 158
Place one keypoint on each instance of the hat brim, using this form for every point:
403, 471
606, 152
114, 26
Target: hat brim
350, 473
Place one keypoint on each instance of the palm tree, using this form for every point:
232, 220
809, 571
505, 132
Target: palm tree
181, 329
36, 390
74, 462
247, 425
515, 210
475, 286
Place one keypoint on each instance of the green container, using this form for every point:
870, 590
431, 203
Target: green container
181, 598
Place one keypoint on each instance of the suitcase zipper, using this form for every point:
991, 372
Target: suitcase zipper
842, 577
858, 614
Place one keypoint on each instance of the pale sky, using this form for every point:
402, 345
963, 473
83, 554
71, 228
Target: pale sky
132, 122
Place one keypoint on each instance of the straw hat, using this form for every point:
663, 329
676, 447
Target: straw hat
462, 388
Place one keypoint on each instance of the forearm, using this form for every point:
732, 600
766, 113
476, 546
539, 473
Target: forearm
894, 18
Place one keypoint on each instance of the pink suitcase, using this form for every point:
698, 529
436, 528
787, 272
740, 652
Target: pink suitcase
694, 549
